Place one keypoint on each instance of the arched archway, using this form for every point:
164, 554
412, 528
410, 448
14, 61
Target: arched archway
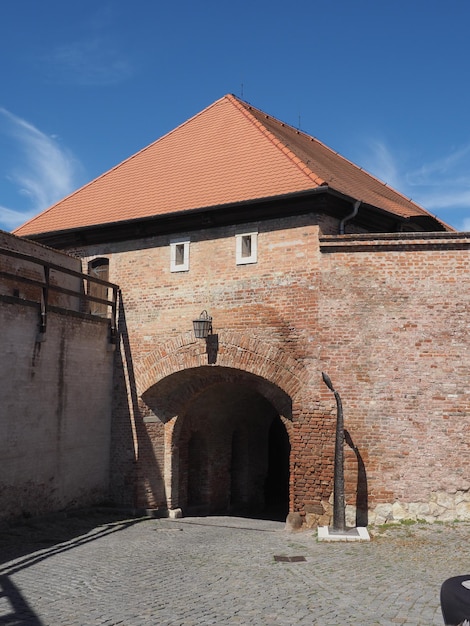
234, 350
228, 441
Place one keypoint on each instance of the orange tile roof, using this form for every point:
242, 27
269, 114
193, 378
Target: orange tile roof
229, 152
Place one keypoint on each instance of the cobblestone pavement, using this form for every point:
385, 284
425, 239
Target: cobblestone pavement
100, 571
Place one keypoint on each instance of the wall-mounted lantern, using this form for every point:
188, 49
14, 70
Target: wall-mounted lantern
202, 326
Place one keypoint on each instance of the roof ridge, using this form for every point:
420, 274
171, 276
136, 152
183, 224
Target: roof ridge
361, 169
241, 106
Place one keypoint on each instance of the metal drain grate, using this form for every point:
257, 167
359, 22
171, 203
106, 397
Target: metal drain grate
289, 559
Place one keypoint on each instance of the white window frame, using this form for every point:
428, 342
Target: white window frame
176, 247
241, 257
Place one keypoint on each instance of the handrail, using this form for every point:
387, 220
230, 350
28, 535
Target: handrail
45, 285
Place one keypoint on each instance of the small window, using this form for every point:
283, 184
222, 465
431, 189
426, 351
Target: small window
179, 255
246, 248
98, 268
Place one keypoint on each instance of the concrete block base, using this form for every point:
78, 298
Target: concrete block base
326, 533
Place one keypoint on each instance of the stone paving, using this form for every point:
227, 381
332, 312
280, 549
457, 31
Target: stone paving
104, 571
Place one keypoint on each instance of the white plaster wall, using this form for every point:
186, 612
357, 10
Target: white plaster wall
55, 410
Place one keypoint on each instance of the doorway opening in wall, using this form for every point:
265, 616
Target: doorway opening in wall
233, 455
98, 268
198, 472
267, 497
277, 479
230, 448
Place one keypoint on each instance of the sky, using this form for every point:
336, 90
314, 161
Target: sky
87, 83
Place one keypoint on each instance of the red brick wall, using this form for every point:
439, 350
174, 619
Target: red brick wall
264, 316
394, 339
385, 317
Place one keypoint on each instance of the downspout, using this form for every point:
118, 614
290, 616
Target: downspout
357, 204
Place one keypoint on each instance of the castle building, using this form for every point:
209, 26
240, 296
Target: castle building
298, 262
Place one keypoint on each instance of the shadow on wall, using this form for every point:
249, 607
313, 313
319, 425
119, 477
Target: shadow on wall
362, 499
212, 349
131, 446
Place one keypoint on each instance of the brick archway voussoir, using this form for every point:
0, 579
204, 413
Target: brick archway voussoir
236, 350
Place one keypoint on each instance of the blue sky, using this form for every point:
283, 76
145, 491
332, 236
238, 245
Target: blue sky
87, 83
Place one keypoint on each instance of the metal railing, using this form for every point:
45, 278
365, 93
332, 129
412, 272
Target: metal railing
46, 286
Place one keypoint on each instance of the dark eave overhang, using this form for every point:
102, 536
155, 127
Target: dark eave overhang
322, 199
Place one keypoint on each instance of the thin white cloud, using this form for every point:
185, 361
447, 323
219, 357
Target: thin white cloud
448, 166
382, 163
91, 62
465, 227
40, 169
96, 57
446, 199
441, 186
10, 219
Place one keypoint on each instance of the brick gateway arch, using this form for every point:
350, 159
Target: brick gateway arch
220, 425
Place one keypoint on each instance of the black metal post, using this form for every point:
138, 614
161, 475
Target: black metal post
44, 301
339, 506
